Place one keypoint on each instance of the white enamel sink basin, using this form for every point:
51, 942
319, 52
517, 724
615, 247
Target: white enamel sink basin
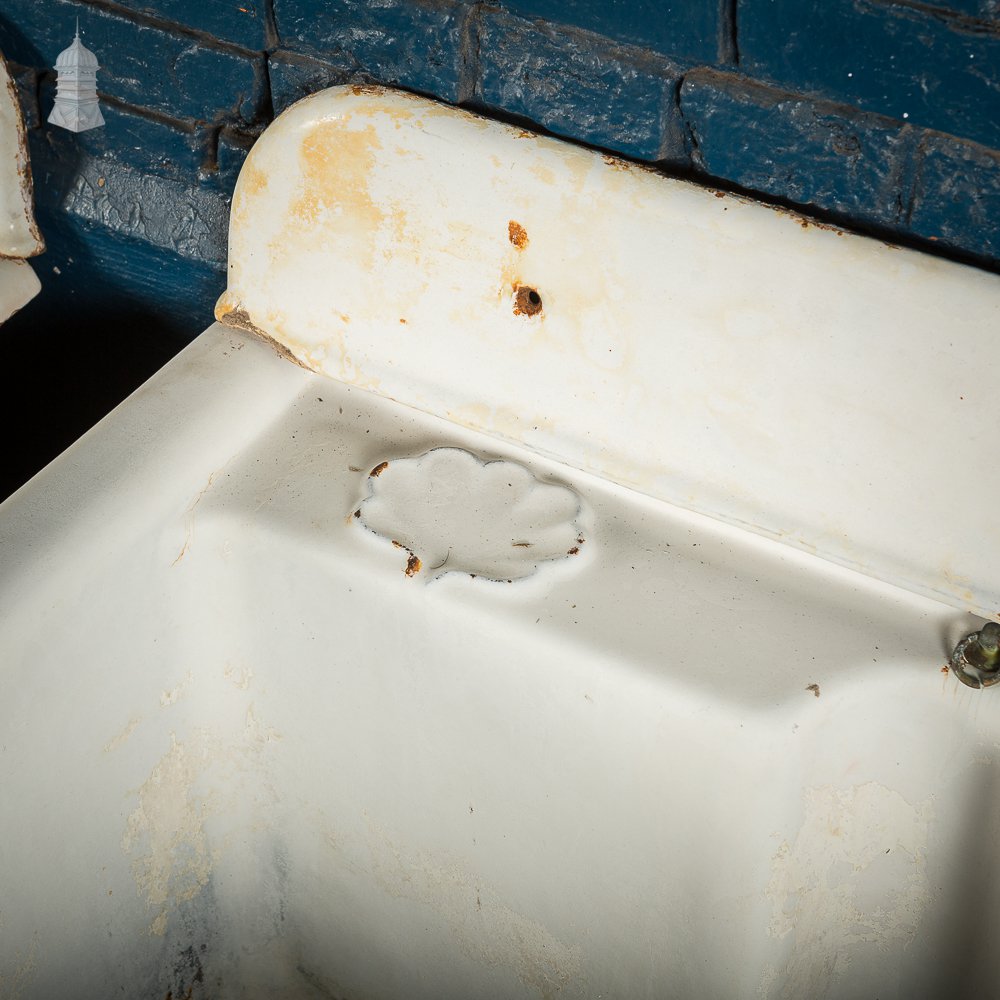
562, 739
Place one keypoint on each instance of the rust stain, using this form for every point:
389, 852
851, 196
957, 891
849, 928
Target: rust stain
24, 171
377, 471
333, 200
617, 164
521, 545
814, 688
720, 194
366, 90
527, 301
357, 513
573, 551
239, 319
253, 180
413, 562
517, 234
945, 669
805, 222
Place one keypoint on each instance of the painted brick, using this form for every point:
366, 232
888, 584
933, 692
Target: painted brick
26, 80
687, 31
957, 197
140, 65
170, 214
232, 152
294, 77
411, 43
571, 85
241, 22
884, 58
174, 150
813, 153
984, 10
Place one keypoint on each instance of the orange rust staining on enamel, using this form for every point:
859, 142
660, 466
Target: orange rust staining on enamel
720, 194
517, 234
336, 158
616, 164
366, 90
401, 320
806, 223
412, 565
238, 318
527, 301
253, 180
573, 551
377, 471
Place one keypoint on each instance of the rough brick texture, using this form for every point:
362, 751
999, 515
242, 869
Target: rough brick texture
687, 30
891, 59
957, 200
574, 85
240, 22
412, 43
859, 166
142, 65
296, 76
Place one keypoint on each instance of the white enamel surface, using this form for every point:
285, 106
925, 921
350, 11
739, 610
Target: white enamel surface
18, 285
19, 236
820, 388
454, 513
235, 737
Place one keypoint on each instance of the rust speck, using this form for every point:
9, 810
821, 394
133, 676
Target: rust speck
377, 471
945, 669
412, 565
357, 513
720, 194
521, 545
527, 301
573, 551
517, 234
814, 688
616, 164
401, 320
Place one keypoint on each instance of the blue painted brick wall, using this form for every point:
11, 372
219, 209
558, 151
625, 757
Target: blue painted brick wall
881, 115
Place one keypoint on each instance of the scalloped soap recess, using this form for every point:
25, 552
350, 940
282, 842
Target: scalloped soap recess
454, 513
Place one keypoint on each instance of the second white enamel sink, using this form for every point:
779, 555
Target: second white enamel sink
310, 693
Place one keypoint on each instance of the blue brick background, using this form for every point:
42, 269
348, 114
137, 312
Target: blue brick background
876, 115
